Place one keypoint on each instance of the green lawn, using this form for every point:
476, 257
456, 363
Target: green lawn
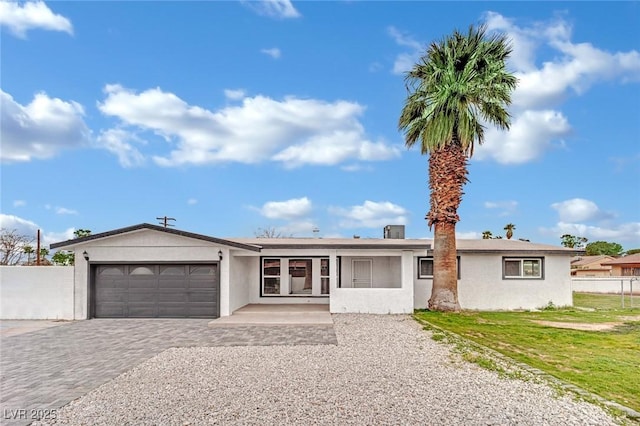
606, 363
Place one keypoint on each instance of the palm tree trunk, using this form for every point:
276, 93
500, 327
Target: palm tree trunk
447, 176
444, 293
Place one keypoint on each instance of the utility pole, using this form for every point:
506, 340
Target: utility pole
165, 220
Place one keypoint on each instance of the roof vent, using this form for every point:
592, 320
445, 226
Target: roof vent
395, 232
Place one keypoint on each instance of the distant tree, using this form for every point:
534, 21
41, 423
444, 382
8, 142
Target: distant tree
63, 258
497, 237
44, 253
28, 250
270, 232
12, 246
509, 227
603, 247
571, 241
486, 235
632, 251
79, 233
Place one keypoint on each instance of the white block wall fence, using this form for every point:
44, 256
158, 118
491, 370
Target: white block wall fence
36, 292
613, 285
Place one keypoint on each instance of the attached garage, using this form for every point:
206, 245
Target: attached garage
155, 291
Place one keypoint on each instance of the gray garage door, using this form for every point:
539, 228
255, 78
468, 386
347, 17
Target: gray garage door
156, 291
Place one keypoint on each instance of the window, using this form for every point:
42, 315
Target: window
324, 276
425, 267
202, 270
300, 276
271, 277
630, 272
172, 270
141, 270
522, 267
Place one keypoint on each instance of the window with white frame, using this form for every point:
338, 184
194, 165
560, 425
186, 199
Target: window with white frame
271, 277
523, 267
425, 267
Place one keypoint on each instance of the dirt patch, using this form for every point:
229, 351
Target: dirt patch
630, 318
601, 326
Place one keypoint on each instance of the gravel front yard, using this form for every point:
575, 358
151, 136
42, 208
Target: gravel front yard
385, 370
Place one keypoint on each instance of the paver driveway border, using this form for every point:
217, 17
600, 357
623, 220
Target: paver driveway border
46, 369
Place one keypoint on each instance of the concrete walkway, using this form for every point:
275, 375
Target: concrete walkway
15, 327
276, 314
48, 368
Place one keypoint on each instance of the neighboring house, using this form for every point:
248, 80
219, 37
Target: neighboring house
150, 271
626, 266
591, 266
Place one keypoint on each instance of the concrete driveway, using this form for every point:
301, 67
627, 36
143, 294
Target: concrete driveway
48, 368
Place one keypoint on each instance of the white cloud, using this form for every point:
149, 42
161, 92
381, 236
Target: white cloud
22, 17
532, 133
22, 226
371, 214
506, 207
294, 208
575, 66
117, 141
292, 131
19, 203
49, 238
64, 210
468, 235
234, 94
297, 228
41, 128
625, 232
274, 52
572, 68
579, 210
192, 201
404, 61
30, 229
274, 8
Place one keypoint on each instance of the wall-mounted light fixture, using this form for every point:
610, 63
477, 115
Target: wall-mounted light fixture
85, 255
219, 254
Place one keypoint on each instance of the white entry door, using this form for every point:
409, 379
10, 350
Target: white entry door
361, 273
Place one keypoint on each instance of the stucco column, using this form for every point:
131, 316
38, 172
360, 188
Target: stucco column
406, 273
80, 286
225, 282
333, 276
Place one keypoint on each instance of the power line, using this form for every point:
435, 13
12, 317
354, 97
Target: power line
164, 221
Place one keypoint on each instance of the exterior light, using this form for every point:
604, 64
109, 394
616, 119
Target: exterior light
219, 254
85, 255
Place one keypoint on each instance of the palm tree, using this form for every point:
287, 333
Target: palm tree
509, 227
460, 83
28, 250
486, 235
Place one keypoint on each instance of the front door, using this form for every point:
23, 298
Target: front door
361, 273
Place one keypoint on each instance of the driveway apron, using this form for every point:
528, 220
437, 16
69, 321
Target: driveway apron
44, 370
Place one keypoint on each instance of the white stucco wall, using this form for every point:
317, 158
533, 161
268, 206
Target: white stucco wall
481, 286
32, 292
606, 285
243, 277
385, 271
378, 300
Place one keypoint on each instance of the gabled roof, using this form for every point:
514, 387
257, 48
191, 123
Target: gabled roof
588, 260
141, 226
632, 259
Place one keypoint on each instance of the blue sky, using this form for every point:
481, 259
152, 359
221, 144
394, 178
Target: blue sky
236, 116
